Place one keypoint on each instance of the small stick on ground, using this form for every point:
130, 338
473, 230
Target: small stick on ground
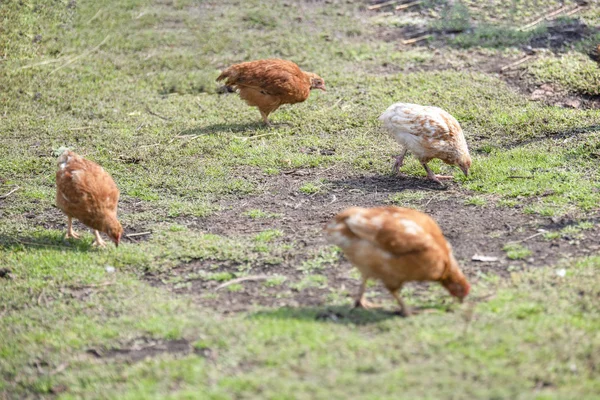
518, 62
42, 63
243, 279
149, 111
381, 5
527, 238
415, 40
72, 60
9, 193
95, 16
573, 11
92, 285
138, 234
431, 199
520, 177
39, 299
547, 17
245, 138
408, 5
59, 369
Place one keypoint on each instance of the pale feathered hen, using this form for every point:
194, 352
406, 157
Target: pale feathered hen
268, 84
396, 245
85, 191
428, 132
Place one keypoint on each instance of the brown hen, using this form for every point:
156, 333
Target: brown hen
396, 245
268, 84
85, 191
428, 132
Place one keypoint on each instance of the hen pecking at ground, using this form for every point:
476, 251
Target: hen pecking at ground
396, 245
428, 132
85, 191
268, 84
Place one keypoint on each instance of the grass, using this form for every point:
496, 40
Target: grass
130, 84
516, 251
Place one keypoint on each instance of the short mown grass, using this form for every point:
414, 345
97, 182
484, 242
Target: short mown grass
130, 85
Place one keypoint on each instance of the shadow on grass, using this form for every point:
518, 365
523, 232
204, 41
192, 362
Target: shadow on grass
231, 128
461, 26
332, 314
347, 315
48, 240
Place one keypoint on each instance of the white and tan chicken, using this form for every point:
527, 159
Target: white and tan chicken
428, 132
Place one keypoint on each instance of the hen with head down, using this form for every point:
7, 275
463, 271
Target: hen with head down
428, 132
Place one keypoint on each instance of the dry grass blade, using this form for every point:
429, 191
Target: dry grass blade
9, 193
381, 5
518, 62
72, 60
408, 5
547, 17
242, 279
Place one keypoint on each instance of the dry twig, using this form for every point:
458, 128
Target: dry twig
415, 40
547, 17
138, 234
527, 238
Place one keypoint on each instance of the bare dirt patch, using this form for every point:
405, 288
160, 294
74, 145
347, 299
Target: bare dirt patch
483, 230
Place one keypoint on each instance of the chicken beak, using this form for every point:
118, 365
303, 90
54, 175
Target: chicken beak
465, 171
322, 88
461, 300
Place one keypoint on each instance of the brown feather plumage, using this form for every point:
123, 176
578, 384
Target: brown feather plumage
268, 84
85, 191
396, 245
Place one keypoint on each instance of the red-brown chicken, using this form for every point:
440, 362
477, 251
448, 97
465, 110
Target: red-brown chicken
396, 245
85, 191
268, 84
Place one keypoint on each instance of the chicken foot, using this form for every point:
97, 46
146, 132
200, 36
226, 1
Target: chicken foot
70, 232
360, 301
399, 162
98, 241
434, 177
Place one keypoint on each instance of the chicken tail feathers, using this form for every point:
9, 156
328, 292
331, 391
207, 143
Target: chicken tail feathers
230, 74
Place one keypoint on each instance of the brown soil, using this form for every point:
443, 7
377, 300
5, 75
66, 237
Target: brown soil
471, 230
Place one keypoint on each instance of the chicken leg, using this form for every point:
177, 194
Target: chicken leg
98, 241
265, 117
70, 232
360, 301
434, 177
404, 309
399, 162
